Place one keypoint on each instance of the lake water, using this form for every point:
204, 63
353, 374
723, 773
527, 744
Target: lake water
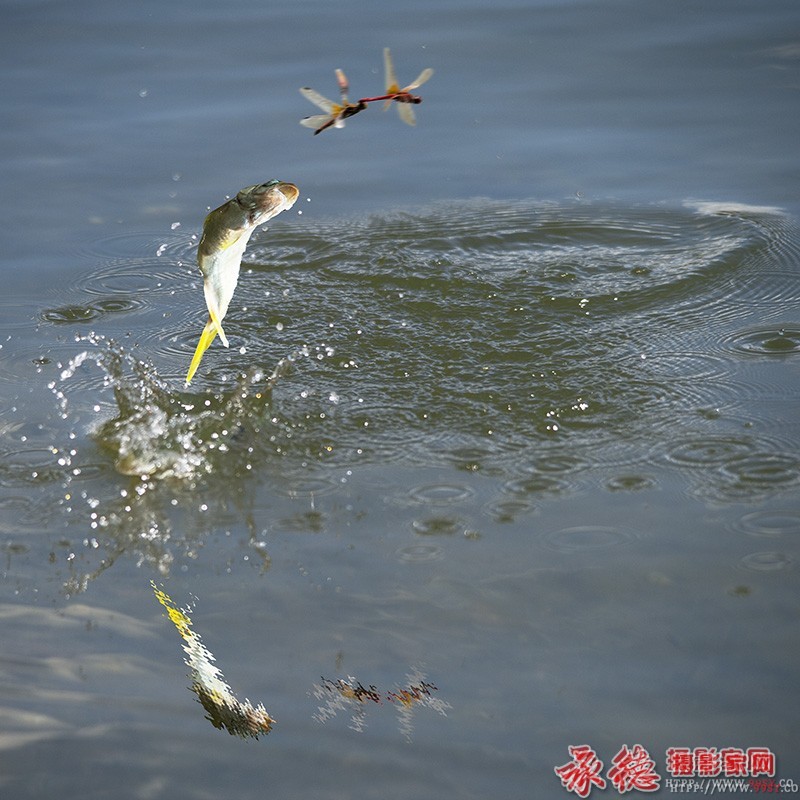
504, 455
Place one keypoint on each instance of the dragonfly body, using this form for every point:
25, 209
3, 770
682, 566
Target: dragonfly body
397, 97
226, 232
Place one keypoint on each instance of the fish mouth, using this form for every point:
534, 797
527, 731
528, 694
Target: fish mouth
290, 192
263, 201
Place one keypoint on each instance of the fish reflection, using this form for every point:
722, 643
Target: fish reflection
350, 696
223, 708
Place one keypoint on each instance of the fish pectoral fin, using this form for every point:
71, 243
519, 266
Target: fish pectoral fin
206, 337
217, 323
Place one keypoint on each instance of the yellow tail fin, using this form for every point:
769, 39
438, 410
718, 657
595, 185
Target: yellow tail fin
178, 617
206, 337
217, 322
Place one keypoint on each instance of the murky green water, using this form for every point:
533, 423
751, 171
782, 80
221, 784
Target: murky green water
538, 346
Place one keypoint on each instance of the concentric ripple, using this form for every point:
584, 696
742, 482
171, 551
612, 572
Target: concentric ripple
143, 279
770, 524
704, 451
420, 553
438, 525
766, 562
778, 341
587, 538
753, 477
631, 483
507, 510
440, 494
768, 470
133, 245
70, 315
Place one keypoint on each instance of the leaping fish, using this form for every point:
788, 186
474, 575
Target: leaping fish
226, 232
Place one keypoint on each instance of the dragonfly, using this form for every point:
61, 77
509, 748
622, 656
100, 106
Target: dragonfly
335, 113
395, 94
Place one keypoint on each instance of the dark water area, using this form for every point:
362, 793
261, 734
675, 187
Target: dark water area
503, 456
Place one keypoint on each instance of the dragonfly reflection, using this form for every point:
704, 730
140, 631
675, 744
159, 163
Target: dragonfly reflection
335, 113
351, 696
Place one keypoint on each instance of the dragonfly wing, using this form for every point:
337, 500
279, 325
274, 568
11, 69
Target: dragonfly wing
406, 112
341, 79
421, 78
318, 100
391, 78
316, 121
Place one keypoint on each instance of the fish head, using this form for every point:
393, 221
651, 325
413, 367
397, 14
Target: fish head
230, 225
265, 200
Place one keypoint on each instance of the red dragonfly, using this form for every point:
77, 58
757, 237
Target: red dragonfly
336, 113
398, 95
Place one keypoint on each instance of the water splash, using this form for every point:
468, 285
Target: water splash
167, 442
159, 432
